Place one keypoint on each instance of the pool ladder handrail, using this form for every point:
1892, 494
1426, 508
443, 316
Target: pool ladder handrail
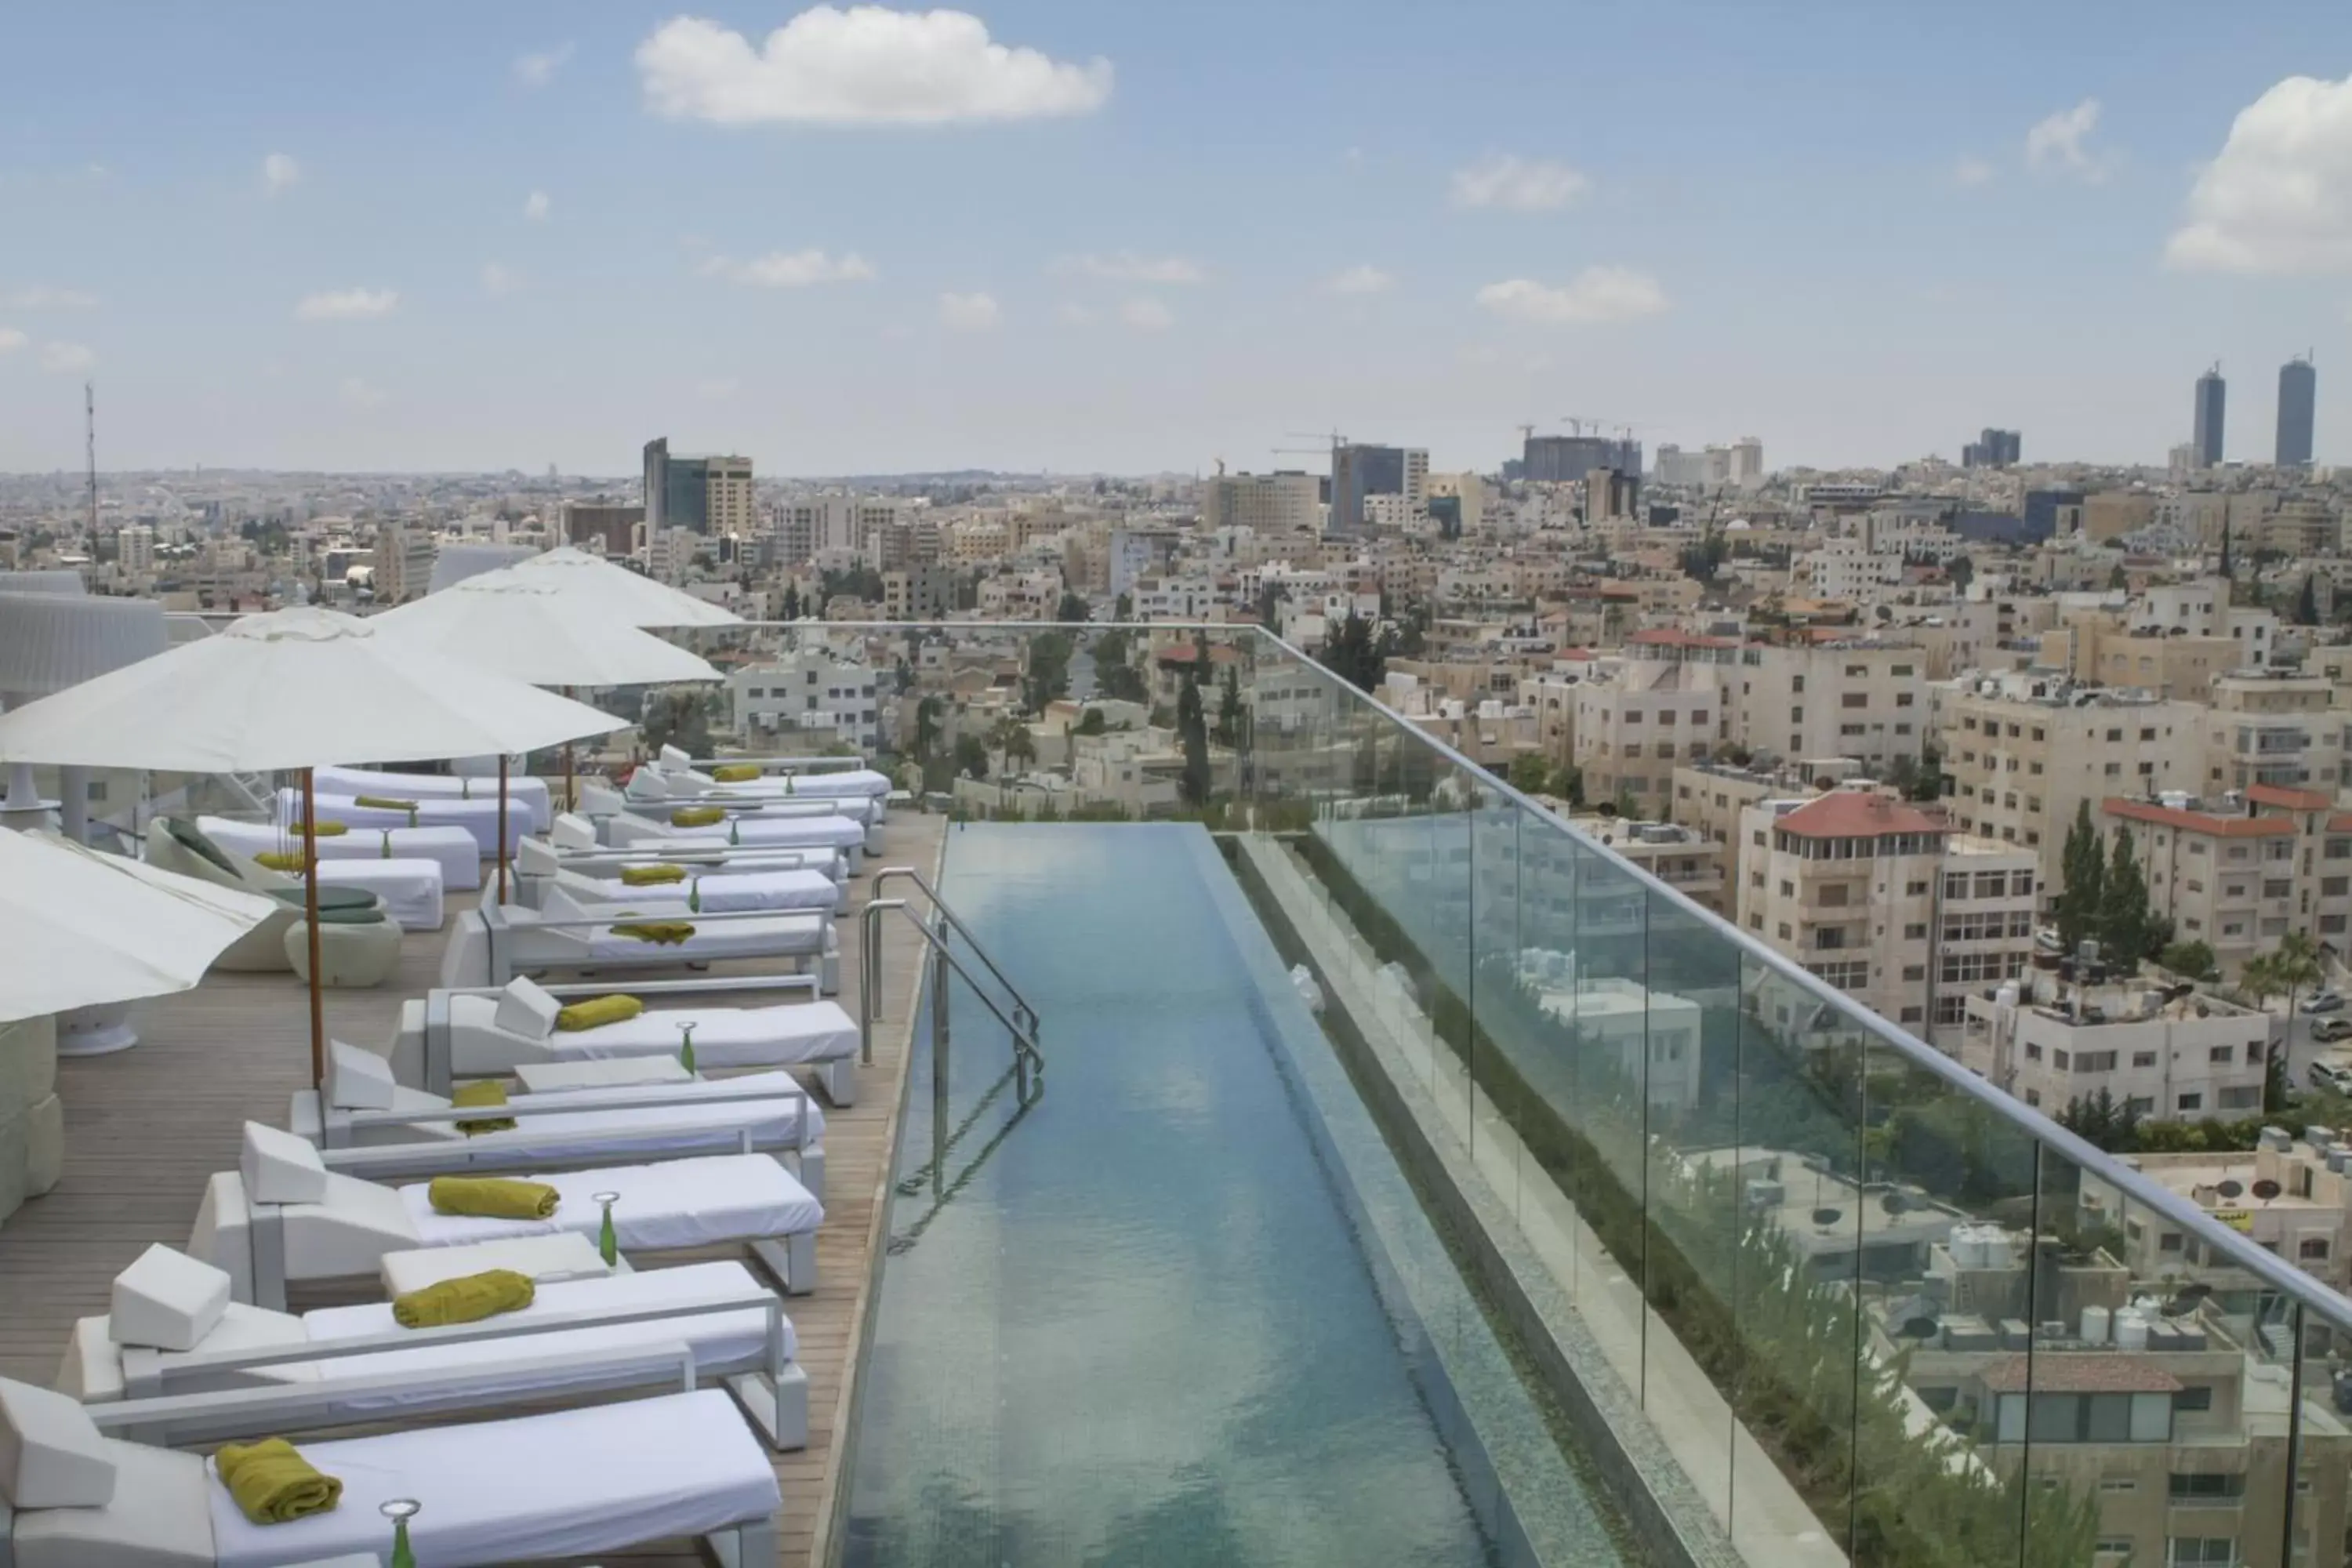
1021, 1007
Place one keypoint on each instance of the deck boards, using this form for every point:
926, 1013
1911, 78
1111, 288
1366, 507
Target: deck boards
144, 1127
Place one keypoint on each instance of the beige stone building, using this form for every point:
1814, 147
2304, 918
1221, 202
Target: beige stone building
1630, 731
1861, 699
2284, 730
2239, 878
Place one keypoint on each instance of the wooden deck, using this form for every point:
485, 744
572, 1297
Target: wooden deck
143, 1129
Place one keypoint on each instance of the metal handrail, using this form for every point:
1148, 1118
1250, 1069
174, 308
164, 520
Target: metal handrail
1024, 1040
1020, 1003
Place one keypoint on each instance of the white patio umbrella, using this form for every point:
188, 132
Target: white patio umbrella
83, 929
531, 629
624, 596
292, 689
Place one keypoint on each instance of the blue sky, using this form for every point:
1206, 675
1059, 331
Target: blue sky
1714, 220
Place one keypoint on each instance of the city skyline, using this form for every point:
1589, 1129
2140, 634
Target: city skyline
550, 233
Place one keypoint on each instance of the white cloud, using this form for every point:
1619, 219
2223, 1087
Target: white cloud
500, 278
11, 339
360, 394
788, 270
2278, 198
64, 357
42, 297
968, 312
1520, 184
1076, 315
867, 65
346, 304
2057, 143
1360, 279
539, 69
1147, 315
1972, 171
1127, 267
535, 207
280, 172
1595, 294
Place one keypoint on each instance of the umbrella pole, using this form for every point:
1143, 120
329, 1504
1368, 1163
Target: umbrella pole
502, 827
310, 923
568, 803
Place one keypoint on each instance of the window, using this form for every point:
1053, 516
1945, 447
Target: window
2199, 1552
2222, 1054
1955, 886
1903, 698
1915, 889
2200, 1486
2312, 1249
1916, 932
2247, 1096
1851, 974
2095, 1061
2118, 1484
2143, 1058
2188, 1102
1854, 700
1914, 971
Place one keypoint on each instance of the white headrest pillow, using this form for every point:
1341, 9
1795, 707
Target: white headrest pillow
358, 1078
525, 1009
281, 1168
166, 1299
572, 831
50, 1452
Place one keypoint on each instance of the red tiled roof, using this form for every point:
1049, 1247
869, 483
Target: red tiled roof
2198, 821
1852, 813
2078, 1372
2292, 799
1673, 636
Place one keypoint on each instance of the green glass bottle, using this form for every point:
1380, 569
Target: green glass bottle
686, 1047
789, 787
694, 897
734, 830
400, 1510
608, 1242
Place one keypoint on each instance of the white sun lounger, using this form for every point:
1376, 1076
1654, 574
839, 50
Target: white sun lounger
716, 890
478, 818
282, 1217
453, 849
839, 776
173, 1331
620, 827
483, 1032
372, 1127
492, 944
563, 1484
572, 838
650, 792
523, 792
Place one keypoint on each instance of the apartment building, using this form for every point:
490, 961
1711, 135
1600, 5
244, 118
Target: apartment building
2026, 750
2271, 729
1683, 858
1709, 796
2102, 651
1888, 902
812, 695
2308, 1222
2240, 876
1630, 731
403, 562
2050, 1043
1863, 698
919, 594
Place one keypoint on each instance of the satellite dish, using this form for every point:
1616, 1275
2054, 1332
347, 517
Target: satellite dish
1919, 1329
1895, 1202
2267, 1189
2231, 1189
2196, 1292
1826, 1217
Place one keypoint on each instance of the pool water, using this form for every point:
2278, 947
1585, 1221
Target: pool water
1140, 1329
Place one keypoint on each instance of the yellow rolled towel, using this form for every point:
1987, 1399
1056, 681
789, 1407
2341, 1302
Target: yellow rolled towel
698, 817
272, 1483
325, 829
385, 803
661, 933
468, 1300
736, 773
481, 1093
286, 860
598, 1011
492, 1197
651, 875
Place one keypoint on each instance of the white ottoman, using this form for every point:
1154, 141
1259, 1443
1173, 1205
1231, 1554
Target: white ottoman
350, 957
411, 889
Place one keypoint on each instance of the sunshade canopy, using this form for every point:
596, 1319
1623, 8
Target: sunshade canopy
83, 929
616, 592
529, 629
294, 689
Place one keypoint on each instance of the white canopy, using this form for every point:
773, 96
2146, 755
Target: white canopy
293, 688
83, 929
527, 628
619, 593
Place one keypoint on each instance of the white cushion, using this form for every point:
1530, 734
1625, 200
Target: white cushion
50, 1452
601, 800
166, 1299
671, 757
526, 1009
534, 858
555, 904
358, 1078
160, 1518
572, 831
280, 1168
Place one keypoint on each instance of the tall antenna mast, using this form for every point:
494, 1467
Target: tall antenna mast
89, 429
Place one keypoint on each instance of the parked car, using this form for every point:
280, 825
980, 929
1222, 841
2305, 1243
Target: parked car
2323, 1002
2332, 1075
2329, 1030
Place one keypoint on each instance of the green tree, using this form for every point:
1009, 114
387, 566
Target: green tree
1961, 571
2083, 870
677, 717
1229, 709
1123, 608
2193, 959
1568, 783
1356, 653
926, 727
2123, 923
1091, 722
2306, 604
1529, 773
971, 757
2118, 580
1192, 735
1072, 611
1048, 676
791, 601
